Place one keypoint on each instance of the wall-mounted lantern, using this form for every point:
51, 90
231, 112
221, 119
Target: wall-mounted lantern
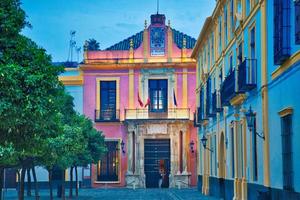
123, 146
204, 141
192, 146
251, 117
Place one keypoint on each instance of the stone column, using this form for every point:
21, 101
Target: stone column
185, 150
244, 195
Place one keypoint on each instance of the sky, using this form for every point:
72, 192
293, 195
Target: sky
107, 21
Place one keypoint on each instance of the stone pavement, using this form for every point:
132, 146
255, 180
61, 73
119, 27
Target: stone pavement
125, 194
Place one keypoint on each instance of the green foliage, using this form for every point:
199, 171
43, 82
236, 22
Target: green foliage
93, 45
12, 20
38, 123
8, 155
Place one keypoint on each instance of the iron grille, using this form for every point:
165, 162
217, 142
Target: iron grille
297, 21
247, 75
287, 154
281, 31
107, 115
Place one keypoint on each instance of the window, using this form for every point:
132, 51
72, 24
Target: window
107, 100
220, 35
158, 90
232, 150
201, 105
252, 43
211, 155
287, 154
254, 153
230, 64
231, 17
208, 51
208, 97
225, 24
215, 154
240, 53
108, 166
212, 48
281, 31
297, 21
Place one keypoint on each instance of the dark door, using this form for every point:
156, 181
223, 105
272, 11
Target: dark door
109, 164
10, 178
157, 162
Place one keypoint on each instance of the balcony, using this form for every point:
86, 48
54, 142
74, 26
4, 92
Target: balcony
199, 117
247, 75
170, 114
108, 115
210, 104
239, 81
216, 102
228, 88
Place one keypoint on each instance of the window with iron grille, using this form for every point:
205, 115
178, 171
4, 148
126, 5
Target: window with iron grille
220, 35
287, 153
107, 100
231, 17
281, 31
297, 21
208, 97
212, 48
225, 24
240, 53
201, 108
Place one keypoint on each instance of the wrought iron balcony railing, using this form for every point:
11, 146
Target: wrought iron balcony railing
228, 88
216, 102
171, 113
247, 79
239, 80
107, 115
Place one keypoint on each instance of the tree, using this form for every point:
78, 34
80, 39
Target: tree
93, 45
93, 151
12, 20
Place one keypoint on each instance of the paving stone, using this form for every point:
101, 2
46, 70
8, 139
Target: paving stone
124, 194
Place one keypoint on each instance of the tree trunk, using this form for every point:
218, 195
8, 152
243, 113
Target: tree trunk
71, 183
36, 188
50, 184
1, 182
18, 186
21, 196
28, 182
76, 178
63, 194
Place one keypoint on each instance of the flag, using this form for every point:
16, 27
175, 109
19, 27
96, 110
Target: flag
139, 100
174, 98
148, 102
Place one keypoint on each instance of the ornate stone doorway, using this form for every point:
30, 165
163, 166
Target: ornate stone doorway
157, 162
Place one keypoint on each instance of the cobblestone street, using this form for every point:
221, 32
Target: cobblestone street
126, 194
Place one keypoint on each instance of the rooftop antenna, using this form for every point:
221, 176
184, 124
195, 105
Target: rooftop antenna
72, 45
157, 6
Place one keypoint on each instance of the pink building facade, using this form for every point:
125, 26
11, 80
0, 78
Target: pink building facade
140, 94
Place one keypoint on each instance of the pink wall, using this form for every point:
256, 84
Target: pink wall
113, 130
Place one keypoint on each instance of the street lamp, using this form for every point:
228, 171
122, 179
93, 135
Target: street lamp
192, 146
204, 141
251, 117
